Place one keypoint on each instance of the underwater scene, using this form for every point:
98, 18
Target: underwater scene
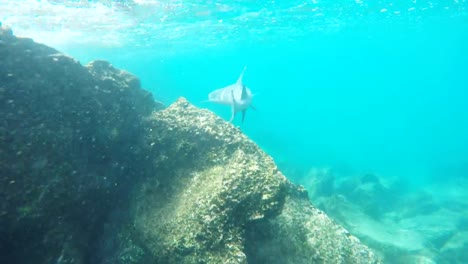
279, 131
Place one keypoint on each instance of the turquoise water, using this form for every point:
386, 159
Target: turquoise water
347, 85
354, 86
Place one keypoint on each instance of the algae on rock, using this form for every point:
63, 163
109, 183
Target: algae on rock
70, 144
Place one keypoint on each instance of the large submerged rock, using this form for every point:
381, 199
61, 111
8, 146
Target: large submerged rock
92, 171
70, 144
221, 199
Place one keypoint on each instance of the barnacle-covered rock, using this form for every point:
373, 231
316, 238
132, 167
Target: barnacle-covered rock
217, 192
211, 181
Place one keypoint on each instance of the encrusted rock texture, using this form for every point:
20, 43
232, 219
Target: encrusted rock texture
70, 143
93, 170
213, 181
221, 199
303, 234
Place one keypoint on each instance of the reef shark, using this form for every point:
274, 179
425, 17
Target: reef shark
236, 95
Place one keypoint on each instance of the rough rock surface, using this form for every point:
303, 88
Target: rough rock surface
70, 142
221, 199
214, 181
303, 234
90, 173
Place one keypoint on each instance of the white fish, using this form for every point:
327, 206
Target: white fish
236, 95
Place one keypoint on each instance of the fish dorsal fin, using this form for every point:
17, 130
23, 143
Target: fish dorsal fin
239, 81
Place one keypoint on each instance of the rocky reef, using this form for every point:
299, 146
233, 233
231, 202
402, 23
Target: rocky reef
70, 144
93, 170
403, 224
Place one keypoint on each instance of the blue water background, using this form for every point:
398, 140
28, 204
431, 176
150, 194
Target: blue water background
357, 86
387, 96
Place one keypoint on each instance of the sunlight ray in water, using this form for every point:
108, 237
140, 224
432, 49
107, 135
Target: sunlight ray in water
168, 23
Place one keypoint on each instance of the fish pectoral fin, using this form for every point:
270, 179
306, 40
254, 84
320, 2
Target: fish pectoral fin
233, 112
233, 106
232, 97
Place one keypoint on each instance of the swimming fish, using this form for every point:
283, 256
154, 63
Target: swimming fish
236, 95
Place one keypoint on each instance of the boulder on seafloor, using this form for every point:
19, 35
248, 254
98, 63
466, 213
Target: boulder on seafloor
90, 173
70, 142
212, 181
221, 199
